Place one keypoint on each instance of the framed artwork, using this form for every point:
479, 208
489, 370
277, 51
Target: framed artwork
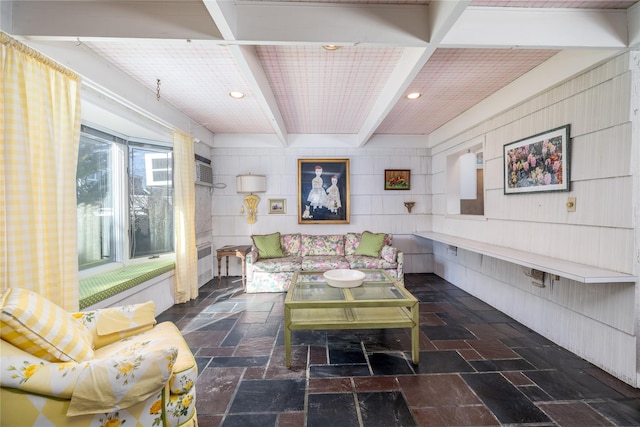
538, 163
323, 191
277, 206
397, 179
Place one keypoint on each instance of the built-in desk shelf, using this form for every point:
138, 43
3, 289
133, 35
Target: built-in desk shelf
571, 270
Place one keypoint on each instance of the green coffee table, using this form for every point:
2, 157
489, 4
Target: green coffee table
380, 302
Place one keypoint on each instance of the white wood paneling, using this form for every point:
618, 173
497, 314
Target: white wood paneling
598, 322
601, 333
602, 203
372, 208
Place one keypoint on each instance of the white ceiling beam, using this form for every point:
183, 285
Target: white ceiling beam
331, 23
441, 16
249, 63
633, 19
62, 20
224, 13
407, 68
539, 28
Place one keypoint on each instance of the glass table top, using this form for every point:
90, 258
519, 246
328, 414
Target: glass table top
377, 286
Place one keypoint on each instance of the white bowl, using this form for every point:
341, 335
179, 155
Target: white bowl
344, 278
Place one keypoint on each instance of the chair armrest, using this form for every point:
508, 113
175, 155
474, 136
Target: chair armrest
23, 371
130, 376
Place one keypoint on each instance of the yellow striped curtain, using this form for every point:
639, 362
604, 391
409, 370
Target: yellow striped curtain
186, 279
40, 131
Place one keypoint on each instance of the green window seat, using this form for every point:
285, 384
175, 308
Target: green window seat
102, 286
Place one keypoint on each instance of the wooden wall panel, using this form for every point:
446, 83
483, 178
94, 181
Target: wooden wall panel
593, 321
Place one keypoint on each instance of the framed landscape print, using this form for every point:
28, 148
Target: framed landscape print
277, 206
397, 179
323, 191
538, 163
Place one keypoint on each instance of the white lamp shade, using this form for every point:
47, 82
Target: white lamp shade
468, 177
251, 183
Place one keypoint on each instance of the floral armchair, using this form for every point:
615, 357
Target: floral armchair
102, 368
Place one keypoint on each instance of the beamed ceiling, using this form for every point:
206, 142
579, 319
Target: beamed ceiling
455, 53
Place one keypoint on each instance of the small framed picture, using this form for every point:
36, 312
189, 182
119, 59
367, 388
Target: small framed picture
277, 206
397, 179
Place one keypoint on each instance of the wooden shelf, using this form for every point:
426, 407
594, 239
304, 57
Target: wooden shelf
571, 270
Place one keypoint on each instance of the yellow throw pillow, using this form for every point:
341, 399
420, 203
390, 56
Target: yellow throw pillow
111, 324
43, 329
129, 376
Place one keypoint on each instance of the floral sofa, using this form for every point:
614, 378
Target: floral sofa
102, 368
310, 252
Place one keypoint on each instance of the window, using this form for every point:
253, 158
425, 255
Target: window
150, 201
125, 198
95, 202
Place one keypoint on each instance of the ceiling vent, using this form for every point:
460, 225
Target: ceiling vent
204, 174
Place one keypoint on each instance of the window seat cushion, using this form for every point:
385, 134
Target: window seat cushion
102, 286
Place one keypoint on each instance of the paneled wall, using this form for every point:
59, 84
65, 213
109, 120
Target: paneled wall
598, 322
372, 208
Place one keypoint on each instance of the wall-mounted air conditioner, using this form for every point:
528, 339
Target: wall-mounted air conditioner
204, 174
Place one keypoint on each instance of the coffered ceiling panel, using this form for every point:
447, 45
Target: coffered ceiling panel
322, 91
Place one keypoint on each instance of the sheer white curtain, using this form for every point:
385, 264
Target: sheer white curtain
186, 279
40, 132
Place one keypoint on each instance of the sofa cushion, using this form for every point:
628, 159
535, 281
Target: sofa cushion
40, 327
268, 245
324, 262
131, 375
273, 265
351, 241
291, 244
370, 244
164, 334
331, 244
368, 262
108, 325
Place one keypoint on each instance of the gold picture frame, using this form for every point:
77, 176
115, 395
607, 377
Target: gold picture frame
323, 191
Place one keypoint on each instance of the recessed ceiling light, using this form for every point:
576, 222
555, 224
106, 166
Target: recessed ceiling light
236, 94
331, 47
414, 95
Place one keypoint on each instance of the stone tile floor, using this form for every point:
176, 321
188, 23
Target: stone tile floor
478, 367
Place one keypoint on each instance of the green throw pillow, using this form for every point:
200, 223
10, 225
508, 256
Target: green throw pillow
268, 246
370, 244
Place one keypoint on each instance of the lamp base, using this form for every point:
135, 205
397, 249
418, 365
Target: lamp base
252, 207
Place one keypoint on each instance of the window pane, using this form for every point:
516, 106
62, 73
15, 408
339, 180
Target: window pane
95, 203
150, 201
